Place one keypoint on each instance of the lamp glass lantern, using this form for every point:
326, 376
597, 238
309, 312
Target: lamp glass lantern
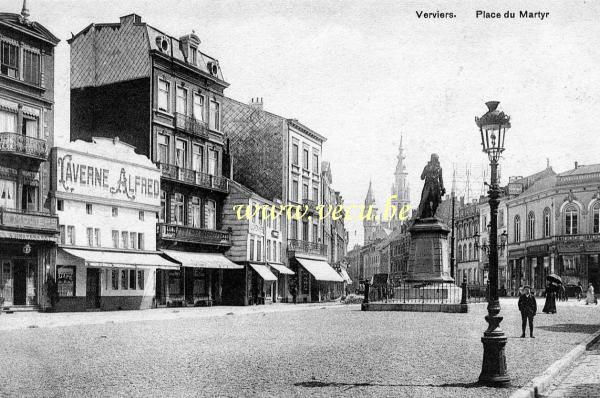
492, 127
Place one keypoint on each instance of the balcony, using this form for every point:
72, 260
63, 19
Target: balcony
306, 247
22, 145
192, 177
183, 233
310, 206
191, 125
32, 220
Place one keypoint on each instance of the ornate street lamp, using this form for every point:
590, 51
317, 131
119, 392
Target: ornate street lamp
492, 126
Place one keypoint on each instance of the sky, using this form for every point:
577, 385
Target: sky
362, 73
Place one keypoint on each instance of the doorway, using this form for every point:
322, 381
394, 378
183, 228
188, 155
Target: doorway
92, 289
20, 282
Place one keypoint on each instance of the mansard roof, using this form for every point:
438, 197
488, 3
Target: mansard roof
31, 28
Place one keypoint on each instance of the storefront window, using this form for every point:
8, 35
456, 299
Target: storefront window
175, 282
132, 279
124, 279
115, 279
140, 279
200, 282
66, 281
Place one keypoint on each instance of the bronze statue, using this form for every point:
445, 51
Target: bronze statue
433, 190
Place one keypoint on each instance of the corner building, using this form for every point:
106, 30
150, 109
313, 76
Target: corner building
28, 230
164, 96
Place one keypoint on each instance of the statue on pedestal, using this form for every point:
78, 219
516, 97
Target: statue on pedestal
433, 190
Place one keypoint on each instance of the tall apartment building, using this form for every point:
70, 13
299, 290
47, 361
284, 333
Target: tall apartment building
164, 96
28, 231
280, 158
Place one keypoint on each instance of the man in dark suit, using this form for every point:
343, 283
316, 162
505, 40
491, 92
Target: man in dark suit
528, 308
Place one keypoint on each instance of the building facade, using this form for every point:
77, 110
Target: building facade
164, 96
107, 198
467, 221
28, 230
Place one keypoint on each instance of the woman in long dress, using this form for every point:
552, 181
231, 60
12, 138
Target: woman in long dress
590, 298
550, 304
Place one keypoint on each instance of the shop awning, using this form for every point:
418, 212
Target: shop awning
282, 269
264, 272
99, 258
202, 260
320, 270
345, 276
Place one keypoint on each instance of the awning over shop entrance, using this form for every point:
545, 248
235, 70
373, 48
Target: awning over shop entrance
345, 276
202, 260
99, 258
282, 269
264, 272
320, 270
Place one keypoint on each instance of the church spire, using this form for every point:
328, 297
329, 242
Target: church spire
370, 199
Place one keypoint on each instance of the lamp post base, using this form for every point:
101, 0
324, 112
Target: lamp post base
493, 368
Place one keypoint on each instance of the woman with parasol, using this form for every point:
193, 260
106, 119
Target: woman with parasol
551, 290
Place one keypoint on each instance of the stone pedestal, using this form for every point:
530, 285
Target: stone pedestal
429, 255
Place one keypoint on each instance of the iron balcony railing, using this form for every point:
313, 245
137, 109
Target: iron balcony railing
23, 145
310, 205
27, 219
198, 178
578, 238
303, 246
191, 125
186, 233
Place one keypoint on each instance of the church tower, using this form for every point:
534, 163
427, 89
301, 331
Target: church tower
370, 225
400, 186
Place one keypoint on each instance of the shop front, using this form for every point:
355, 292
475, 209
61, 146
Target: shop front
199, 282
261, 284
317, 280
107, 280
282, 288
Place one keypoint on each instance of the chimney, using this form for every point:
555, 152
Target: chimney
130, 19
256, 103
576, 164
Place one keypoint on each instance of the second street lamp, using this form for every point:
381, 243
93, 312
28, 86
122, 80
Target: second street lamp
492, 127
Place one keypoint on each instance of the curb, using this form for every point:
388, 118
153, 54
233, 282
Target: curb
540, 383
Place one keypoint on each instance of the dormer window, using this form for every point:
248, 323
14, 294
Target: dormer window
194, 55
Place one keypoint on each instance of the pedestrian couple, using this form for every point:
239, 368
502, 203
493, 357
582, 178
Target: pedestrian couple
528, 308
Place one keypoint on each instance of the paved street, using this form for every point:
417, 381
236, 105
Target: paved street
316, 351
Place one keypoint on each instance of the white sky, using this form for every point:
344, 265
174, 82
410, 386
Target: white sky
361, 72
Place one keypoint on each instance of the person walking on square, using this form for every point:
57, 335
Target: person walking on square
550, 304
590, 296
528, 308
579, 290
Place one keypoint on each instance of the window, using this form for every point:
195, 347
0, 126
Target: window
29, 127
268, 250
251, 249
115, 211
194, 55
305, 231
133, 238
258, 250
305, 159
315, 165
213, 158
294, 191
163, 148
215, 115
141, 215
531, 226
211, 214
125, 240
61, 229
196, 210
140, 279
181, 100
88, 208
181, 153
571, 216
29, 198
97, 241
295, 154
70, 235
316, 194
294, 229
132, 279
124, 279
274, 258
178, 210
315, 233
470, 255
596, 218
501, 218
115, 239
90, 236
140, 241
115, 279
8, 121
31, 67
164, 95
546, 222
279, 258
197, 157
304, 191
162, 216
517, 229
65, 280
198, 107
9, 64
8, 198
60, 204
